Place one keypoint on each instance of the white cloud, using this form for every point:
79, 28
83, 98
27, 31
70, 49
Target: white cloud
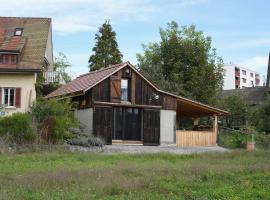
249, 44
83, 15
256, 63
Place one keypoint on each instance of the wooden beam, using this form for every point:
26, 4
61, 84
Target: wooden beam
126, 105
215, 127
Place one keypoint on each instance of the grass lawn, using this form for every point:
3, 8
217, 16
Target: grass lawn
232, 175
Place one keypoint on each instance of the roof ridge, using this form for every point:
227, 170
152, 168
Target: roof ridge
102, 69
4, 17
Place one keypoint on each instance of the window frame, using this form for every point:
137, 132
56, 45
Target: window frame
244, 72
244, 80
126, 97
18, 29
8, 105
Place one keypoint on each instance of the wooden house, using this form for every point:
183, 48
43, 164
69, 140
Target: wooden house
119, 104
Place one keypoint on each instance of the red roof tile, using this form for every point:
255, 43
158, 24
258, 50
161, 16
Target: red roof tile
87, 81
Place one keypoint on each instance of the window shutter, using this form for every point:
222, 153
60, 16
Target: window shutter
0, 96
115, 89
18, 97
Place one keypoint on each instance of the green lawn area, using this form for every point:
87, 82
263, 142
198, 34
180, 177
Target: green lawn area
232, 175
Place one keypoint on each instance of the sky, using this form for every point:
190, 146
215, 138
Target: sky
239, 29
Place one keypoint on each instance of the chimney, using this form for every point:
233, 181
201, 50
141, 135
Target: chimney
268, 74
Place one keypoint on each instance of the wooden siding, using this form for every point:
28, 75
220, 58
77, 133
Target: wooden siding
144, 93
103, 123
101, 92
195, 138
151, 127
169, 102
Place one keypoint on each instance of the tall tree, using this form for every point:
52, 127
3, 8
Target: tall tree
183, 62
106, 50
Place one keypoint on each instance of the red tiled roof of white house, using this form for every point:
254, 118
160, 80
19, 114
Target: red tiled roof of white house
23, 43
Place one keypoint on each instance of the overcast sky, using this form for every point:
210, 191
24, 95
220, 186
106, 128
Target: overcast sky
239, 28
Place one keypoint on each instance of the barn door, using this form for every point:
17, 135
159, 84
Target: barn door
102, 123
151, 127
115, 88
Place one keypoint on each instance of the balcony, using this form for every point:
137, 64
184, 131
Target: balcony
51, 77
257, 81
237, 82
237, 73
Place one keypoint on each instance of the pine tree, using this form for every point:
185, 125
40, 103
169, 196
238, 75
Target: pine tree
106, 50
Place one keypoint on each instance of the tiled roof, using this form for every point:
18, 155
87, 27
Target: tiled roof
86, 81
32, 43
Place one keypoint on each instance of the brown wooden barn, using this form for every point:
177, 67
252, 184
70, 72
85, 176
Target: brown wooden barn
120, 105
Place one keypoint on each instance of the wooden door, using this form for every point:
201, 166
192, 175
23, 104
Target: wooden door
151, 127
102, 122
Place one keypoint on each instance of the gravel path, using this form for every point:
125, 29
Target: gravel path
159, 149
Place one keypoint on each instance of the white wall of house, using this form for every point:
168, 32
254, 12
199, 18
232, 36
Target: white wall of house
229, 77
247, 77
25, 81
85, 116
167, 126
49, 50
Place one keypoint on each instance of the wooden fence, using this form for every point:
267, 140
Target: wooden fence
195, 138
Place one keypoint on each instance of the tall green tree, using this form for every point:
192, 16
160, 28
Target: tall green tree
183, 62
106, 50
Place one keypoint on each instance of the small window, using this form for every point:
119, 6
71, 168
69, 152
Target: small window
251, 75
244, 72
18, 31
6, 59
8, 96
124, 90
13, 59
244, 80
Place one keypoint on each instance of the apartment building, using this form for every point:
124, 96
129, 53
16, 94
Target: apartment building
239, 77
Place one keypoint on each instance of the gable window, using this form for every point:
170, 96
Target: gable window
124, 90
18, 31
8, 96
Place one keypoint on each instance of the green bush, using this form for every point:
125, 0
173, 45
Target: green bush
17, 127
233, 139
53, 119
238, 139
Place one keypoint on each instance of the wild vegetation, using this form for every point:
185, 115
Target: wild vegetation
232, 175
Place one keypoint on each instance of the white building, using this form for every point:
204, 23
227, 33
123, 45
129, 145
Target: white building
239, 77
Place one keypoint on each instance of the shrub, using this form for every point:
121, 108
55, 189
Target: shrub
238, 139
87, 141
17, 127
233, 139
53, 119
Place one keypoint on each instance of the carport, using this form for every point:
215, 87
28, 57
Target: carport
199, 135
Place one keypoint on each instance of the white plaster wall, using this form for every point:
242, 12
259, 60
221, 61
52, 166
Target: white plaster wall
49, 50
25, 81
167, 126
229, 77
85, 116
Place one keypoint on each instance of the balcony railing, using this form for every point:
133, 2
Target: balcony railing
53, 77
237, 82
